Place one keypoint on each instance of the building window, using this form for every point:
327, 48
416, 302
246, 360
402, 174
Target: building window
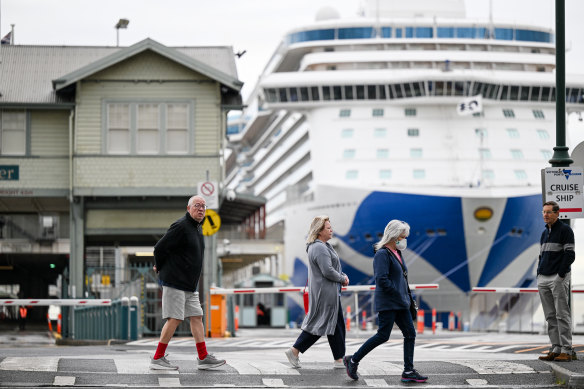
347, 133
508, 113
547, 154
377, 112
485, 153
419, 174
520, 174
543, 134
379, 133
481, 132
148, 128
538, 114
416, 153
351, 174
349, 154
413, 132
382, 153
385, 174
512, 133
516, 154
410, 112
488, 174
13, 129
345, 113
477, 114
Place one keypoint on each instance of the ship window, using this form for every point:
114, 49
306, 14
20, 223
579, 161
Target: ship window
543, 134
516, 154
271, 95
508, 113
504, 34
416, 153
337, 92
505, 93
476, 88
441, 231
445, 32
485, 153
418, 88
349, 92
304, 94
13, 131
413, 132
283, 95
371, 92
385, 174
386, 32
382, 153
513, 92
391, 92
347, 133
535, 90
409, 32
410, 112
360, 89
532, 36
439, 88
351, 174
481, 132
477, 114
424, 32
538, 114
399, 93
408, 90
381, 89
513, 133
368, 237
315, 94
326, 93
379, 133
377, 112
459, 88
494, 92
547, 154
419, 174
572, 95
345, 113
520, 174
398, 32
553, 94
293, 94
355, 33
488, 174
349, 154
545, 93
524, 93
351, 239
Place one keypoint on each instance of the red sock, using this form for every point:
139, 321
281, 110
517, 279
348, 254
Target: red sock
160, 350
202, 350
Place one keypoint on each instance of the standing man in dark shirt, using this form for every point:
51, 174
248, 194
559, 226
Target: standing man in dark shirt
179, 259
553, 282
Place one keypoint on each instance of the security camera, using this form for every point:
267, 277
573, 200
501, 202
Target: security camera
230, 195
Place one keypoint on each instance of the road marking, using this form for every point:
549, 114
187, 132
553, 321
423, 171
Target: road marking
138, 366
168, 382
261, 367
476, 382
532, 349
380, 368
30, 363
274, 383
497, 367
376, 383
64, 381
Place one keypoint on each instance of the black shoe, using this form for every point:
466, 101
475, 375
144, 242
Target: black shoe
413, 376
351, 367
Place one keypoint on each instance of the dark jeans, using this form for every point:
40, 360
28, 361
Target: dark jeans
336, 340
403, 319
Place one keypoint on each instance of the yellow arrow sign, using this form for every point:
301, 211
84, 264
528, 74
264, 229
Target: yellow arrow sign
211, 223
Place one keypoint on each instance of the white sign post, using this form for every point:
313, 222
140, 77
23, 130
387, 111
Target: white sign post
209, 191
564, 186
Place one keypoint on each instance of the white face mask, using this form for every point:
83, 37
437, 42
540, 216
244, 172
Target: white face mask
401, 244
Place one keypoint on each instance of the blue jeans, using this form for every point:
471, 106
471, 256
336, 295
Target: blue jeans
403, 319
336, 341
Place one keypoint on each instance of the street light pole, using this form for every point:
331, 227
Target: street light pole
122, 23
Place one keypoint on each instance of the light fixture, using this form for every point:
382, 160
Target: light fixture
122, 23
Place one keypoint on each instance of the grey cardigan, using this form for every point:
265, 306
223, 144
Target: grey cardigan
324, 281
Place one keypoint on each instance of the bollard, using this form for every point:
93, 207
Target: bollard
364, 321
434, 320
49, 321
348, 318
125, 318
451, 321
420, 321
59, 325
236, 317
133, 318
459, 315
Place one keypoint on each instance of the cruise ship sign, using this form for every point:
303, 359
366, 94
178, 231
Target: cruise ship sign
564, 186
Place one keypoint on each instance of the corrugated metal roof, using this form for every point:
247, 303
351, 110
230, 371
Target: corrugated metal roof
27, 72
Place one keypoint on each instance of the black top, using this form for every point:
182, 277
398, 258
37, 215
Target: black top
179, 254
557, 250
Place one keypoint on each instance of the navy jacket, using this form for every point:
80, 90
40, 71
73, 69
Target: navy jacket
557, 250
391, 287
179, 254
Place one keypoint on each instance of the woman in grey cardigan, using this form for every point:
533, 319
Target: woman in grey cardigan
325, 278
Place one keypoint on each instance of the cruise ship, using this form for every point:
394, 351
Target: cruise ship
408, 111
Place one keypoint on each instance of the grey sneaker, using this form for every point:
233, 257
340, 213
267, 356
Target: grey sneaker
162, 364
293, 359
210, 362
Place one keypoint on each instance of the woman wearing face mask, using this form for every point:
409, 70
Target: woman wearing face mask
392, 301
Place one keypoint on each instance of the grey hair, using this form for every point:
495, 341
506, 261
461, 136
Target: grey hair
192, 199
316, 226
393, 230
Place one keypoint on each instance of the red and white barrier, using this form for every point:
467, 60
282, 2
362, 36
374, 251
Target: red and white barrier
514, 290
61, 302
353, 288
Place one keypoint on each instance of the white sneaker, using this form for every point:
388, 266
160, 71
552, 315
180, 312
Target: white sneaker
338, 364
162, 364
293, 359
210, 362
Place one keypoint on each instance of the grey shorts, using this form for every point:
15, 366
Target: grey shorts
178, 304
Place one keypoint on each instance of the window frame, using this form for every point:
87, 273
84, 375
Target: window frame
26, 131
